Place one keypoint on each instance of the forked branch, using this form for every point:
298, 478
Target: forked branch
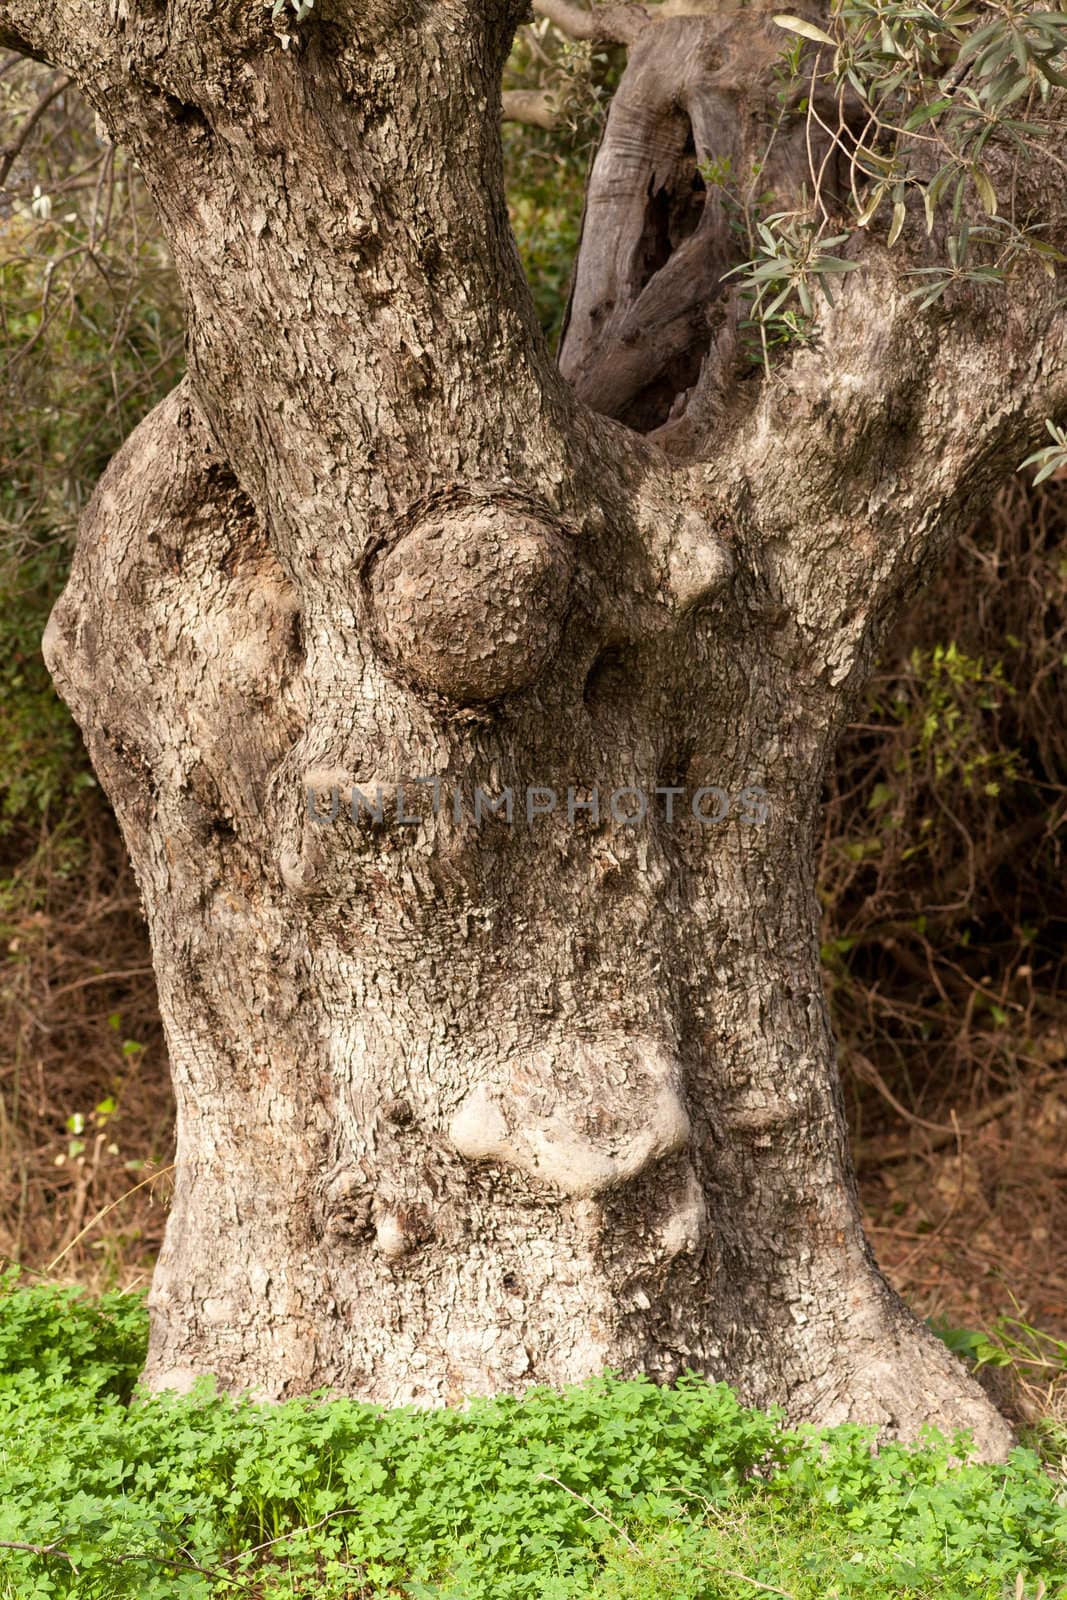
536, 107
610, 24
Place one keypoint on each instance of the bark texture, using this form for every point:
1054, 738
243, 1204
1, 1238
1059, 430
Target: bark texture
467, 1102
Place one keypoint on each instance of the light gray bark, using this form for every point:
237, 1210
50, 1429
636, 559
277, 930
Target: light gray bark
467, 1105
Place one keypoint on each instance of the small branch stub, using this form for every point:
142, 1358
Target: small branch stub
470, 602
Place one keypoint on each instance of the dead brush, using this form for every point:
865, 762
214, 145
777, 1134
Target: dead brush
85, 1105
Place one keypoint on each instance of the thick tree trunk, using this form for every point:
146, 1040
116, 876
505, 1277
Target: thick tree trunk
464, 1101
465, 1104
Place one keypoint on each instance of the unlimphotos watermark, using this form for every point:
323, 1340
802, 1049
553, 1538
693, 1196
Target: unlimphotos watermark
629, 806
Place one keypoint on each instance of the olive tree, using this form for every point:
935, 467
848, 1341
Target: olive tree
465, 711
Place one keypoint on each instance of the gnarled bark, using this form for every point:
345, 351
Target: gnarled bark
468, 1101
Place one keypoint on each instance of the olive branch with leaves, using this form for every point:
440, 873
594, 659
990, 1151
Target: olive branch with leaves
914, 97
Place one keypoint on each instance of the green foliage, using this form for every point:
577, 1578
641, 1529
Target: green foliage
792, 261
1038, 1363
943, 709
922, 102
1011, 1342
301, 8
90, 338
57, 1342
545, 191
41, 753
777, 282
615, 1490
546, 171
1053, 458
961, 267
838, 1521
954, 689
940, 875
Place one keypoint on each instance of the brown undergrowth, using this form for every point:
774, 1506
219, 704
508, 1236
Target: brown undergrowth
86, 1109
945, 909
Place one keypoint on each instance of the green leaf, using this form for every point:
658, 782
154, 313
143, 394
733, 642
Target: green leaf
1052, 458
924, 113
873, 202
899, 214
1058, 78
986, 193
778, 301
834, 264
929, 204
807, 30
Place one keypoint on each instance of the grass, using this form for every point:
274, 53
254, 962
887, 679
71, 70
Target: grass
612, 1490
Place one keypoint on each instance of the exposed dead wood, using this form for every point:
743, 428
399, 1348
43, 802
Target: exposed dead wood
647, 302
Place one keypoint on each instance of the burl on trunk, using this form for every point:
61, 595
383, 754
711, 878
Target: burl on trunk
468, 1100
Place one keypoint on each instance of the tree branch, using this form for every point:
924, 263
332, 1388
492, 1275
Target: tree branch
20, 41
656, 240
862, 459
77, 40
9, 153
611, 24
537, 107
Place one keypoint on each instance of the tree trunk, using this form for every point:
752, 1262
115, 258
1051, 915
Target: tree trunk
468, 1100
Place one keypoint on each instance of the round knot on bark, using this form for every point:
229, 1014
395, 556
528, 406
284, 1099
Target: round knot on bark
470, 601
